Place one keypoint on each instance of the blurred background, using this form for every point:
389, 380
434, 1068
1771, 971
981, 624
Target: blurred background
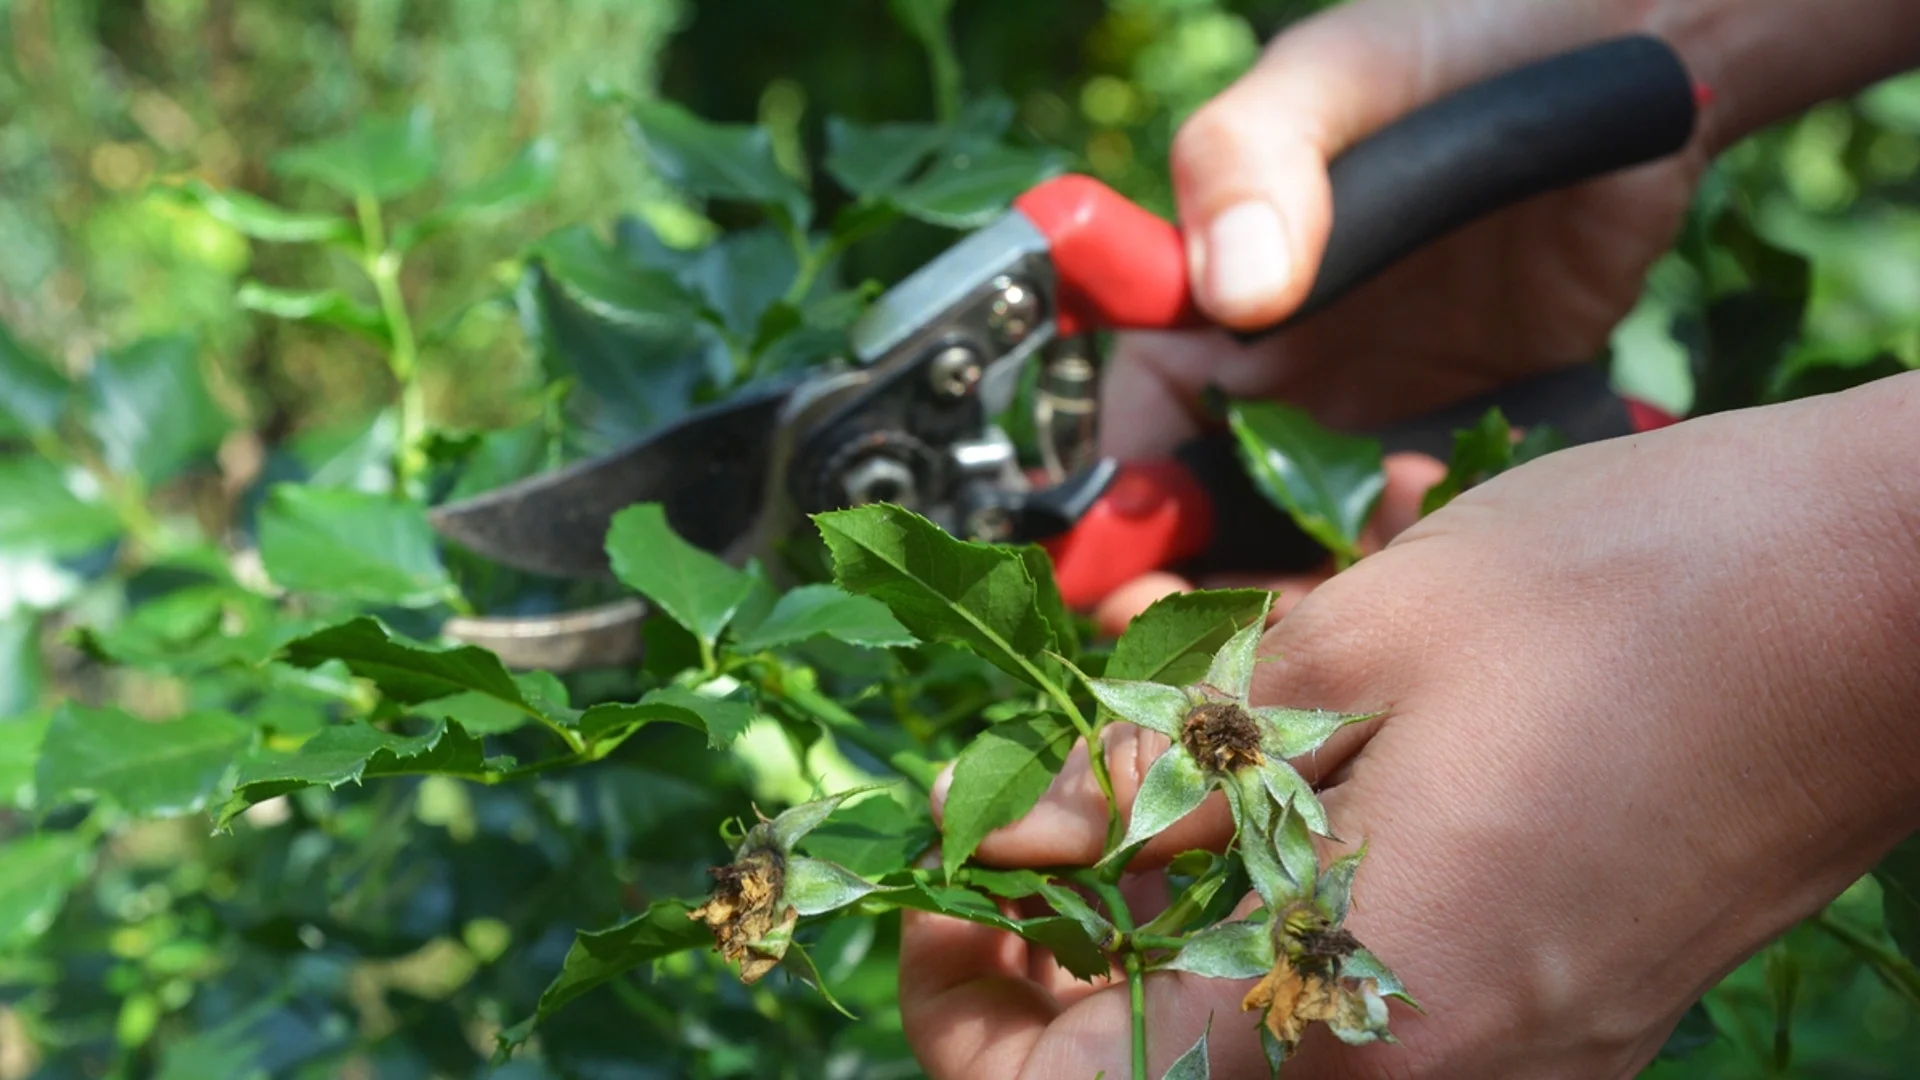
101, 101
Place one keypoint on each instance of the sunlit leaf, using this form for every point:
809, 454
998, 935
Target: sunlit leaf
816, 610
381, 157
1151, 705
32, 393
353, 752
336, 542
721, 720
695, 589
732, 162
597, 957
36, 871
876, 836
1231, 671
998, 778
815, 886
20, 737
1174, 787
610, 287
153, 769
1175, 639
325, 307
40, 513
1327, 482
524, 180
405, 671
1289, 733
262, 220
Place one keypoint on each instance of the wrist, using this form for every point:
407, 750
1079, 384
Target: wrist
1766, 61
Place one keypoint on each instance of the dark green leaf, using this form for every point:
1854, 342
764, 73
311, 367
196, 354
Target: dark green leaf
732, 162
1174, 640
381, 157
816, 886
35, 873
264, 221
813, 610
873, 159
149, 408
194, 628
743, 276
353, 752
1174, 787
336, 542
525, 179
20, 737
942, 589
695, 589
722, 721
998, 778
1899, 878
600, 956
32, 393
41, 515
1695, 1031
1193, 1064
404, 671
501, 457
1479, 452
970, 188
1232, 950
876, 836
610, 287
153, 769
325, 307
1749, 334
1327, 482
1060, 935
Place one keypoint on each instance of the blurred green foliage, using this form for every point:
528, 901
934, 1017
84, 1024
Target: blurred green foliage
400, 926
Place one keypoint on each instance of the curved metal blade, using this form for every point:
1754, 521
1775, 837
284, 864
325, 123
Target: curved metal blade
709, 471
605, 636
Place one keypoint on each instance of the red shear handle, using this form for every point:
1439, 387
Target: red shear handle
1155, 515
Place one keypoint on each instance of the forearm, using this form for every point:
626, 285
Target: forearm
1766, 60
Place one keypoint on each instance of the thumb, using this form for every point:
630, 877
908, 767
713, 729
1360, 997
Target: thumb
1068, 826
1250, 166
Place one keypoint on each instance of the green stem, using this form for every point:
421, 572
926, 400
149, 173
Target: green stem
1895, 970
1137, 1001
382, 267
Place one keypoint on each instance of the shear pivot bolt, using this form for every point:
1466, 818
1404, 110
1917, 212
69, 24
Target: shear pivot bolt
954, 372
1014, 312
880, 478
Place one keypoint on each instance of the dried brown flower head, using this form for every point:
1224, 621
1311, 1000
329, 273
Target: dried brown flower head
1222, 737
745, 910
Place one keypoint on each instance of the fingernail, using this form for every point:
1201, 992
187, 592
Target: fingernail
940, 785
1247, 259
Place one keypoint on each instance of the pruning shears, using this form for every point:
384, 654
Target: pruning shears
911, 418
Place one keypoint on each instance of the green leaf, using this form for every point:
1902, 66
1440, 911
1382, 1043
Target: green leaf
998, 778
695, 589
792, 825
1899, 878
262, 220
146, 768
33, 394
722, 721
406, 672
815, 886
874, 159
1694, 1032
1192, 1065
941, 589
1150, 705
150, 410
744, 277
1292, 732
975, 185
1362, 964
1333, 893
1327, 482
814, 610
353, 752
524, 180
1231, 671
324, 307
20, 738
41, 515
1479, 453
194, 628
1060, 935
600, 956
731, 162
1174, 787
610, 287
381, 157
874, 837
1174, 640
35, 874
332, 541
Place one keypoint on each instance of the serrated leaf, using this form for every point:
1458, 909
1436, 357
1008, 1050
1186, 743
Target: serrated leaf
721, 720
149, 408
262, 220
1175, 639
695, 589
1069, 903
324, 307
1174, 787
336, 542
874, 837
942, 589
826, 610
36, 873
1479, 453
1150, 705
20, 738
1290, 733
41, 515
732, 162
147, 768
353, 752
610, 287
600, 956
998, 778
1192, 1065
1233, 950
815, 886
1899, 878
525, 179
405, 671
33, 395
1327, 482
976, 184
744, 277
873, 159
381, 157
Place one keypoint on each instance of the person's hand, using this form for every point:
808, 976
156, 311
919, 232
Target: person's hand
1647, 703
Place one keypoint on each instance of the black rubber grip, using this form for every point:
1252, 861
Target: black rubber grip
1251, 535
1554, 123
